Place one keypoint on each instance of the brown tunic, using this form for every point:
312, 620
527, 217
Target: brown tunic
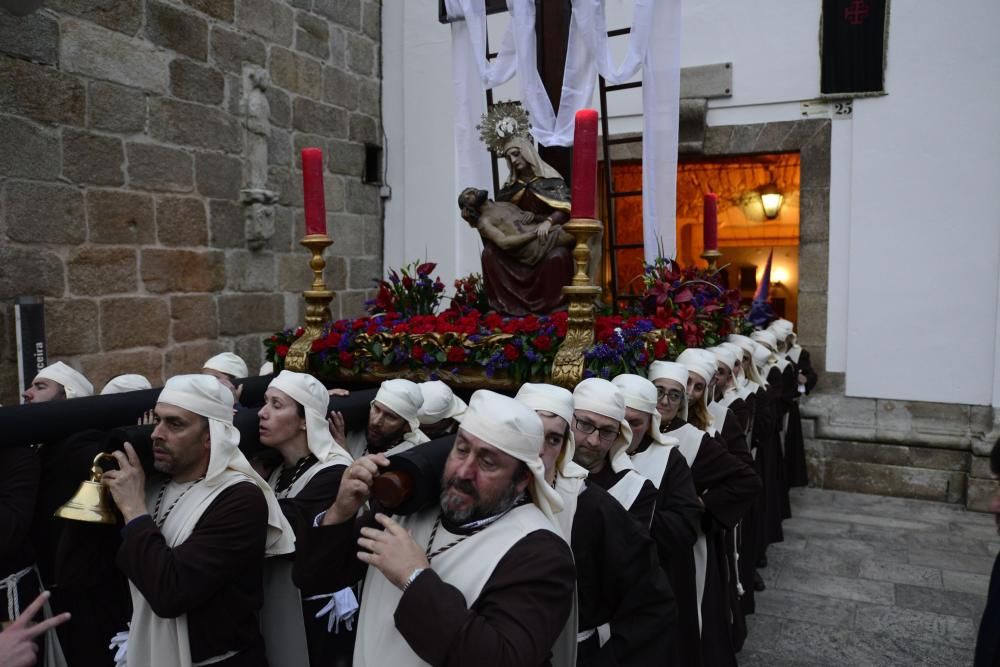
515, 620
215, 576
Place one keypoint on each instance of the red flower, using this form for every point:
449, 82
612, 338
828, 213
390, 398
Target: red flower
332, 339
281, 350
407, 282
425, 268
543, 343
456, 354
346, 359
299, 332
511, 352
660, 349
417, 352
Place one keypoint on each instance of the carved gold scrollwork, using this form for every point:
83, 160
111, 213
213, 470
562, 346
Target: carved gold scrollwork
318, 300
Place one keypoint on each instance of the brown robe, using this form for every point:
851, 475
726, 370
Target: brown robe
515, 620
215, 576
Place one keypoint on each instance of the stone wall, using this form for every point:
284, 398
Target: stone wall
912, 449
125, 165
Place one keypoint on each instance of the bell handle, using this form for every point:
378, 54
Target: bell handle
95, 470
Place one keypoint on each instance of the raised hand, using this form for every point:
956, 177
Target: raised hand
355, 488
17, 642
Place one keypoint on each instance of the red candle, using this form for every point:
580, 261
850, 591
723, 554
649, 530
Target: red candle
711, 223
312, 189
584, 197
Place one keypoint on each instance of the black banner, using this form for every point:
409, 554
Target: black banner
853, 51
32, 354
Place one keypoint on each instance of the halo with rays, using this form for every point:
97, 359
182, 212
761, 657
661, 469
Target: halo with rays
503, 122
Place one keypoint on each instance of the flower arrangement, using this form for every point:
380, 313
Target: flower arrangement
408, 293
470, 294
403, 333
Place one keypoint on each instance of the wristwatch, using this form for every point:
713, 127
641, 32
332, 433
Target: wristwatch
413, 575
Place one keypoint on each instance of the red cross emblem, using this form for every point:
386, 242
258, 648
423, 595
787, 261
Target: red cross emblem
856, 12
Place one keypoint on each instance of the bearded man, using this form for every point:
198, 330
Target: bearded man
393, 422
482, 578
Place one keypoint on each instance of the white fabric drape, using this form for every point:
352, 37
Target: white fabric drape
587, 55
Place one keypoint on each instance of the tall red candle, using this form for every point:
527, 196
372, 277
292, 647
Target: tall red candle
584, 201
711, 222
312, 190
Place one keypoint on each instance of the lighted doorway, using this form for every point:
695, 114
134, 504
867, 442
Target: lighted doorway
746, 233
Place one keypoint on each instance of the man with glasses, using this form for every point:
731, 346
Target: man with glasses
602, 440
626, 611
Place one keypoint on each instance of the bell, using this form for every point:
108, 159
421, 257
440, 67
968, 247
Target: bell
91, 502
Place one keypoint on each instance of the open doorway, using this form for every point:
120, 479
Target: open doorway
747, 233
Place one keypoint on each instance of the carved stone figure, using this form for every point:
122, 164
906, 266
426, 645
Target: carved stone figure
258, 200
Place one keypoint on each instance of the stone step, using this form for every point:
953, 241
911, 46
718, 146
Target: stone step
890, 480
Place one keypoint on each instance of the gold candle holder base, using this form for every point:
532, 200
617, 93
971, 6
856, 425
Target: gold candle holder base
318, 299
567, 367
711, 257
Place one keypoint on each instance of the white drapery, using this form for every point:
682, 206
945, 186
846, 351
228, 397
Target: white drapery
587, 55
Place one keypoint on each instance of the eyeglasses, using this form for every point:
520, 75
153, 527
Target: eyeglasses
607, 434
672, 396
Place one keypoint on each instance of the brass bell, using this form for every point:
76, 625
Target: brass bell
91, 502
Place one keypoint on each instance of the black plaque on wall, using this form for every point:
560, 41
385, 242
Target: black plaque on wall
32, 354
853, 50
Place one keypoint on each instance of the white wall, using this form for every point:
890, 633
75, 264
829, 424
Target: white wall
912, 175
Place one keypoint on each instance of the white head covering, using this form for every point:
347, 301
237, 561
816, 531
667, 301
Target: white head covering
310, 393
266, 368
228, 363
514, 429
602, 397
559, 401
761, 356
125, 383
206, 396
530, 154
404, 398
696, 362
725, 356
670, 370
748, 346
439, 402
73, 382
765, 338
640, 394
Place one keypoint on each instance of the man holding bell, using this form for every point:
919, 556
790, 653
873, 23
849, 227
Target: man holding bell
193, 545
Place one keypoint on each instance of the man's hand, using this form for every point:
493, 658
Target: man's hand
337, 391
803, 379
392, 551
17, 642
543, 230
127, 484
355, 488
337, 430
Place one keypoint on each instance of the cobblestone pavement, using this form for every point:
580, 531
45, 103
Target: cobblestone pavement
868, 580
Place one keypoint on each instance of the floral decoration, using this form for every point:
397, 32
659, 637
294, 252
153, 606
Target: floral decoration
679, 308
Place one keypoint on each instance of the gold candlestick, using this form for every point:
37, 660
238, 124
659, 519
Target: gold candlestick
711, 256
318, 299
567, 367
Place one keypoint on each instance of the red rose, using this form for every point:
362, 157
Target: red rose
281, 350
333, 339
456, 354
660, 349
299, 332
346, 359
511, 352
417, 352
543, 343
